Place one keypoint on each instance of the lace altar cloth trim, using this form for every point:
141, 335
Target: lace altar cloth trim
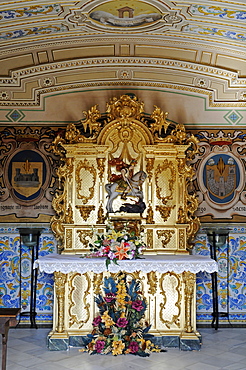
160, 263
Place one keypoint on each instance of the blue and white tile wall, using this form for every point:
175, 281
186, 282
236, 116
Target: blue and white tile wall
236, 280
231, 259
10, 274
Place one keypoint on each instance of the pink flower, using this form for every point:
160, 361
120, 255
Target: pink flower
109, 297
97, 321
106, 249
133, 347
122, 322
137, 305
99, 345
111, 255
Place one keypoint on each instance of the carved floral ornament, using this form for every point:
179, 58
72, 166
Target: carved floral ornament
126, 111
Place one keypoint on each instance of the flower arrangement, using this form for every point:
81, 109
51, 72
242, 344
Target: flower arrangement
117, 243
120, 327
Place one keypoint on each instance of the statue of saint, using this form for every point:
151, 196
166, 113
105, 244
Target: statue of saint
125, 176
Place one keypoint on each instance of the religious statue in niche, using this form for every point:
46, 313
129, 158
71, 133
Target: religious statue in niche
126, 184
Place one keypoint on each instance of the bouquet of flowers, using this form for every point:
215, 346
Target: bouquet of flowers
120, 327
117, 244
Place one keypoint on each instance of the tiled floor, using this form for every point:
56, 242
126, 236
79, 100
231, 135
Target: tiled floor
222, 349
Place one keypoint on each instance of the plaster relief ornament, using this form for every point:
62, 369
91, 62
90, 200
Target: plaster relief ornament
108, 18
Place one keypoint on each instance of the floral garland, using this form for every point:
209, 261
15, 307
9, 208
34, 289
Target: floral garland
117, 244
120, 327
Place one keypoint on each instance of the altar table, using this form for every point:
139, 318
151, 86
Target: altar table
7, 319
168, 283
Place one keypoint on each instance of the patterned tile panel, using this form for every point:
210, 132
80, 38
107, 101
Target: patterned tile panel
231, 279
10, 275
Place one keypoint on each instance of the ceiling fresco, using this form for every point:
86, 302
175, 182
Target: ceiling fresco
190, 52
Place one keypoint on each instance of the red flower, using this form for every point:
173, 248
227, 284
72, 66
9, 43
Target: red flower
106, 249
97, 321
109, 297
133, 347
137, 305
122, 322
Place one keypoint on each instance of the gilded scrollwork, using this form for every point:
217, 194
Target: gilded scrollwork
192, 229
56, 222
65, 171
149, 167
69, 238
160, 121
63, 215
150, 238
85, 211
91, 120
182, 239
101, 167
181, 165
83, 235
72, 133
165, 211
57, 146
152, 282
68, 219
82, 184
160, 169
125, 107
165, 236
97, 282
150, 216
181, 216
100, 215
193, 221
189, 281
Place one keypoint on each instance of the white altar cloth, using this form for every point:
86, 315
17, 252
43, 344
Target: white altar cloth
159, 263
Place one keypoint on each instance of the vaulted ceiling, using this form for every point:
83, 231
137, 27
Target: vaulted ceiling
58, 58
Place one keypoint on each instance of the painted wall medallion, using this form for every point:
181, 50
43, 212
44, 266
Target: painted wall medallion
221, 176
27, 176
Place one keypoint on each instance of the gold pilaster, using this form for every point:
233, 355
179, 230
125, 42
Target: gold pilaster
60, 280
189, 281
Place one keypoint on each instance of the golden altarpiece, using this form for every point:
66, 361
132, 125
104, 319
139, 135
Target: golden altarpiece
158, 151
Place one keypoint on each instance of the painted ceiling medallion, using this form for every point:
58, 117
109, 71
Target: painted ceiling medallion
124, 15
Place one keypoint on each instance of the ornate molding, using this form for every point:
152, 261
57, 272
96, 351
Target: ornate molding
165, 236
82, 184
166, 165
85, 211
164, 211
83, 235
152, 282
73, 318
175, 285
